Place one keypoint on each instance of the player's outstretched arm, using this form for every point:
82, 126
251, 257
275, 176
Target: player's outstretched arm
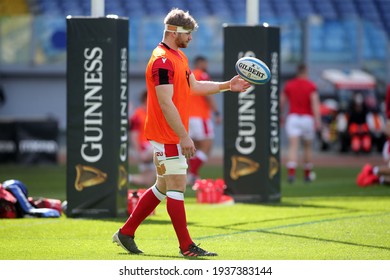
236, 84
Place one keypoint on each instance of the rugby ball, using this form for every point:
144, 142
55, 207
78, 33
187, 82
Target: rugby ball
253, 70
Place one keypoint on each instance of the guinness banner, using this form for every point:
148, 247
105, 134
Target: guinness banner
251, 119
97, 116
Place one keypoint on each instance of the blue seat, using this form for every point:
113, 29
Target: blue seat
325, 9
369, 11
346, 8
220, 9
50, 8
72, 8
176, 4
198, 9
303, 8
285, 10
153, 7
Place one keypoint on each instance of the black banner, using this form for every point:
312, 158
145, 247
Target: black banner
8, 141
29, 141
251, 119
37, 141
97, 116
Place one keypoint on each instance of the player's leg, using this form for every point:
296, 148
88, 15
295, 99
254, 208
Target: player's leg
176, 185
146, 204
308, 135
308, 160
175, 207
175, 175
292, 158
293, 132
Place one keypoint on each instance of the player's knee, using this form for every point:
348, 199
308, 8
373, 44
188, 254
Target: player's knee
175, 166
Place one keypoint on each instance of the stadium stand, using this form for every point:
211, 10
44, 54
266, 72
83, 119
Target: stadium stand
335, 28
376, 11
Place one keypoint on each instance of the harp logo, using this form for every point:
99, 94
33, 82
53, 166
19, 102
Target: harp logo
88, 176
123, 177
242, 166
160, 169
273, 167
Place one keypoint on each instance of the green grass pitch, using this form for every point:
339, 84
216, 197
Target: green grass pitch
329, 219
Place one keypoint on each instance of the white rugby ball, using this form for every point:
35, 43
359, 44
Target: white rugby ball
253, 70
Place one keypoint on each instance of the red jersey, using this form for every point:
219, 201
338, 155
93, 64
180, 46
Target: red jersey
166, 66
200, 106
298, 92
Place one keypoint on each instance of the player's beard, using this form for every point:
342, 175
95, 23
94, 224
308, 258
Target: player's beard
180, 42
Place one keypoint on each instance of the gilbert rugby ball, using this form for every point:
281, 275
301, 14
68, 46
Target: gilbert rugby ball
253, 70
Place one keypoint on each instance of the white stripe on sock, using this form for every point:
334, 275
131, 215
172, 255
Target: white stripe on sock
291, 164
157, 193
201, 155
175, 195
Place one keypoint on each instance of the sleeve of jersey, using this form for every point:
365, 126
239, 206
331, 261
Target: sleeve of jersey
162, 72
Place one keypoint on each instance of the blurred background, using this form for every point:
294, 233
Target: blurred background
345, 44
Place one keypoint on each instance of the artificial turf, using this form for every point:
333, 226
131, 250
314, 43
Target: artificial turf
328, 219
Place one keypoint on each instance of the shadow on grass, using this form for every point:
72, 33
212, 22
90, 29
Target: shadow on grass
326, 240
231, 226
343, 210
271, 230
301, 205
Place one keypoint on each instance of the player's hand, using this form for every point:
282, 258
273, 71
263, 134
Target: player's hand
187, 147
238, 84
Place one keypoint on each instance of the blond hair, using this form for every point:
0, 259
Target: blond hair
181, 18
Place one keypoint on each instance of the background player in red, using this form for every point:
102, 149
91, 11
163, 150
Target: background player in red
143, 150
201, 127
302, 120
169, 81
